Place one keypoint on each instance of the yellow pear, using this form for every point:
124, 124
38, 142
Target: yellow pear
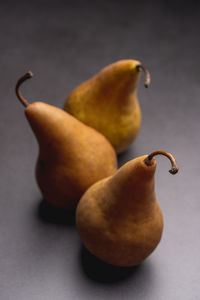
119, 218
72, 156
108, 102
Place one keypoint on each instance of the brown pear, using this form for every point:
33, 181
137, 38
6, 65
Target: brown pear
119, 218
72, 156
108, 102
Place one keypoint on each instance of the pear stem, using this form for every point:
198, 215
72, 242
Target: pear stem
147, 74
19, 82
174, 168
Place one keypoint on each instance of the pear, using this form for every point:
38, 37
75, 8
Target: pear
72, 156
108, 102
119, 218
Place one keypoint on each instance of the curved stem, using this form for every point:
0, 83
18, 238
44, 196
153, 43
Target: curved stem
174, 168
19, 82
147, 74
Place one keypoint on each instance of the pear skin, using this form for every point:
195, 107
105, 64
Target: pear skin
72, 156
119, 218
108, 102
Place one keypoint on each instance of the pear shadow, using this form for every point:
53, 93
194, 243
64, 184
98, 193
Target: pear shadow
125, 156
51, 214
101, 272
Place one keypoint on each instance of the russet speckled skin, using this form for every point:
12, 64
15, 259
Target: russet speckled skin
108, 102
119, 219
72, 156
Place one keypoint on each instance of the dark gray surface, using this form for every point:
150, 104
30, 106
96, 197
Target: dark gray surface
64, 43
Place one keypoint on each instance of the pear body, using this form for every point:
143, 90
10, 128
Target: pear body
119, 218
71, 157
108, 102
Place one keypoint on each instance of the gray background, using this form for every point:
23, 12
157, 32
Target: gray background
65, 43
